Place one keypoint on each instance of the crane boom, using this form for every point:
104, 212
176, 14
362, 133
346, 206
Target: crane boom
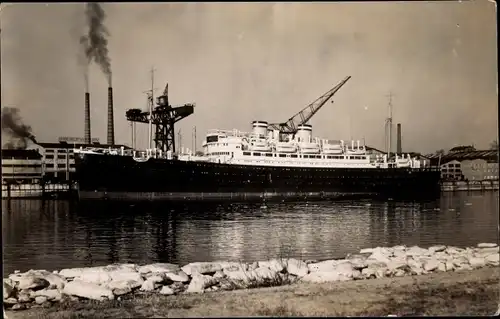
304, 115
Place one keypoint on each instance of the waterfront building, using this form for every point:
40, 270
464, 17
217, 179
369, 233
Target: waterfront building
59, 159
21, 166
467, 163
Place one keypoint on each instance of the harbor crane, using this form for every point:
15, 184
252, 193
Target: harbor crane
163, 116
304, 115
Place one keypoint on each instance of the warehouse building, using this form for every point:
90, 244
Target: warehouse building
52, 162
466, 163
59, 159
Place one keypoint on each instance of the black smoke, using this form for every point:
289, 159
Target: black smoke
12, 125
84, 42
95, 43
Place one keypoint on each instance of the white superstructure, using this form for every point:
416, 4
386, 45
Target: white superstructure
264, 147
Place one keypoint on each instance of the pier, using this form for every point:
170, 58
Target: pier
70, 190
457, 186
60, 190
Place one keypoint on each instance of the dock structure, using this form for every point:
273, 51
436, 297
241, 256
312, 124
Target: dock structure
32, 191
44, 170
460, 186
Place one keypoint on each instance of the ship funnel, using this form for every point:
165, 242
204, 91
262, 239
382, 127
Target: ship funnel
111, 128
304, 133
87, 119
398, 145
352, 144
358, 144
260, 128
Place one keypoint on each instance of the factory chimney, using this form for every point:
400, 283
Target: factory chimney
111, 129
398, 146
87, 136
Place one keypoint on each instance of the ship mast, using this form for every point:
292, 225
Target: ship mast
151, 105
388, 127
194, 140
180, 141
132, 137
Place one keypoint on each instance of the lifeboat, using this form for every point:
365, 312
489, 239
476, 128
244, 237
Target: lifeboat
259, 145
285, 147
332, 149
357, 151
309, 148
330, 152
403, 161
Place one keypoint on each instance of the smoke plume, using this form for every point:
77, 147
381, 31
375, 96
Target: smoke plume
20, 134
95, 43
84, 42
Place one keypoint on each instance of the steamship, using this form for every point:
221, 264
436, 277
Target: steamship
244, 165
271, 161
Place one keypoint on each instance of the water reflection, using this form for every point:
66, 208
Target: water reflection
57, 234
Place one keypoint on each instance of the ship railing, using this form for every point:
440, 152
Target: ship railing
112, 151
233, 133
141, 156
425, 169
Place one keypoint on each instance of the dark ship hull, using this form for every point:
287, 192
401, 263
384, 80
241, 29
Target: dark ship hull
122, 178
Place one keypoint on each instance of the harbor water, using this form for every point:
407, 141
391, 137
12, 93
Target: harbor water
55, 234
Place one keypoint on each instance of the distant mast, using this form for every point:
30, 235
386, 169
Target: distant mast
180, 141
195, 145
388, 128
151, 106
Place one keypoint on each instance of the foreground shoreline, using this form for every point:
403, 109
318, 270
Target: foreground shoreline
462, 272
473, 292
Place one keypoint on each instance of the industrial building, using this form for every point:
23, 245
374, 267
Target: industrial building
55, 162
52, 162
467, 164
59, 160
21, 166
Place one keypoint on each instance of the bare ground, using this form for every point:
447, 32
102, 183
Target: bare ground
455, 293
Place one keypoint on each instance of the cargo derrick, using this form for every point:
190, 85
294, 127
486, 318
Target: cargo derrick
164, 116
304, 115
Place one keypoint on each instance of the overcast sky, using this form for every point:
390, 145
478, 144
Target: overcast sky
261, 61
